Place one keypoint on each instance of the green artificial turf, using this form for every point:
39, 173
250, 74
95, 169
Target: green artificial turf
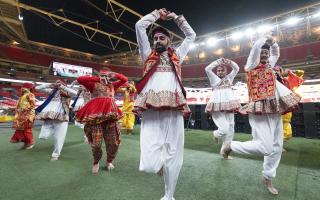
28, 174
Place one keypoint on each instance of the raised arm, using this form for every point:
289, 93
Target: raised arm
68, 90
47, 88
254, 56
141, 31
274, 54
88, 81
213, 78
121, 80
190, 36
235, 70
73, 84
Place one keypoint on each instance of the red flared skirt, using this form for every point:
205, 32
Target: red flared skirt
98, 110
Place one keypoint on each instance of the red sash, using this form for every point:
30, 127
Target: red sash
151, 65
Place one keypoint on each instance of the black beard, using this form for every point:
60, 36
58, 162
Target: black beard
263, 62
160, 48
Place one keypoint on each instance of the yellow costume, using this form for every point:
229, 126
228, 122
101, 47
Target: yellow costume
25, 113
7, 113
292, 83
287, 130
128, 105
24, 117
6, 118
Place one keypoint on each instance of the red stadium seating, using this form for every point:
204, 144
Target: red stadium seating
294, 54
315, 49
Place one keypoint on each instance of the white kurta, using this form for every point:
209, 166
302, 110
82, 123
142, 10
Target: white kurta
267, 128
222, 98
83, 98
55, 117
222, 102
162, 131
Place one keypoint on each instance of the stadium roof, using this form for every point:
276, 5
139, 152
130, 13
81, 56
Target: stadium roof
106, 27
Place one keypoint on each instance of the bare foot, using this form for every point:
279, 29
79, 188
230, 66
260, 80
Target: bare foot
54, 158
268, 184
29, 146
228, 158
95, 168
110, 166
226, 151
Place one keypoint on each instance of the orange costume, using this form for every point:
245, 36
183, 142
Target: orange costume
292, 81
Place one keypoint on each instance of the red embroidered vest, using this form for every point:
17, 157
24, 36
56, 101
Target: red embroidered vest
261, 83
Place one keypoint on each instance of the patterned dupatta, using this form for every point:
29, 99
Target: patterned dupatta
47, 101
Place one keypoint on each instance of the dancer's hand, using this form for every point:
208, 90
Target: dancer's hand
112, 75
163, 13
220, 61
74, 83
58, 83
270, 40
171, 15
226, 61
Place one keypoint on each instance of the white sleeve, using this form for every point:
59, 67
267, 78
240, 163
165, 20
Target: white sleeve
190, 36
141, 31
254, 56
68, 90
44, 88
274, 54
213, 78
235, 70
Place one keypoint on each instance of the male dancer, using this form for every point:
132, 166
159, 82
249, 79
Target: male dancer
162, 98
223, 103
55, 114
268, 99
